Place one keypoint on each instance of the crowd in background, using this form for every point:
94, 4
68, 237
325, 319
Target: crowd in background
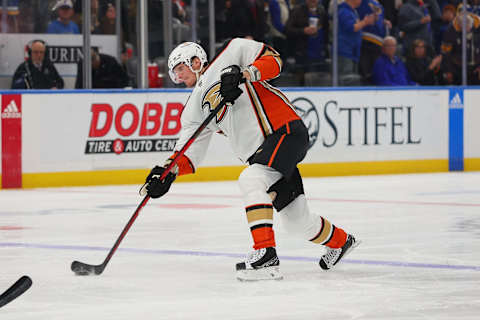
380, 42
64, 17
60, 17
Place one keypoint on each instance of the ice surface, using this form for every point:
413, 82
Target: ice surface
419, 257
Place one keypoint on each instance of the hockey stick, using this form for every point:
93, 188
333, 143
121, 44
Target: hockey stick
83, 269
17, 289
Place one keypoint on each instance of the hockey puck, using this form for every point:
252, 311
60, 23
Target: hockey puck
82, 269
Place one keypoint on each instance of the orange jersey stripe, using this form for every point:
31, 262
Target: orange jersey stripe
276, 107
257, 109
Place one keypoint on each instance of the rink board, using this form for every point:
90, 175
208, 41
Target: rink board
115, 137
472, 130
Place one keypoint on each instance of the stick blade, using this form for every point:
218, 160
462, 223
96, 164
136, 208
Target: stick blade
84, 269
17, 289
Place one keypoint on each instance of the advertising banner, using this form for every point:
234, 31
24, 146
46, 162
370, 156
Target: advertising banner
11, 114
369, 125
78, 132
127, 130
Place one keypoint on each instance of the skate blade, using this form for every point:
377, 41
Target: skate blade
357, 242
268, 273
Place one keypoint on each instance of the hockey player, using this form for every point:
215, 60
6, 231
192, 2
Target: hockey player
265, 132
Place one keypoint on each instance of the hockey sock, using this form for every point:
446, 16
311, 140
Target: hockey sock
260, 221
330, 235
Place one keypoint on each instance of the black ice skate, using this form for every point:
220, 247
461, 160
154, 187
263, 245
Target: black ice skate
261, 264
333, 256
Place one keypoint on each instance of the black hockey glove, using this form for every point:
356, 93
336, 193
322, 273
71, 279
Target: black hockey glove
230, 78
153, 186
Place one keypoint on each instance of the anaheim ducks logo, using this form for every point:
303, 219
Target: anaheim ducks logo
211, 99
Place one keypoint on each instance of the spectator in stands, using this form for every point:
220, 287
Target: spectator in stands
277, 16
11, 23
42, 15
246, 19
452, 50
391, 10
155, 27
63, 24
107, 73
475, 5
95, 14
414, 19
221, 23
350, 36
107, 21
129, 64
389, 70
372, 36
331, 5
448, 14
26, 17
179, 10
37, 72
421, 67
19, 16
306, 29
182, 29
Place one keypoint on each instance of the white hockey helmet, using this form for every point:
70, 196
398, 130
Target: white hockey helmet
184, 53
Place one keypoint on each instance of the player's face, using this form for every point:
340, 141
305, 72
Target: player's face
185, 75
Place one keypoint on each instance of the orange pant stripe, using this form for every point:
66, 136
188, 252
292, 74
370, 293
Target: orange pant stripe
276, 150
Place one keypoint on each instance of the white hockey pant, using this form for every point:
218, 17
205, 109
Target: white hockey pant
295, 218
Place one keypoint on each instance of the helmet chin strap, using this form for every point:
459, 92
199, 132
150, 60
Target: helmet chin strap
197, 73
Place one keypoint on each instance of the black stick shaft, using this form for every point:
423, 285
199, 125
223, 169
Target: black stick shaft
17, 289
124, 231
197, 132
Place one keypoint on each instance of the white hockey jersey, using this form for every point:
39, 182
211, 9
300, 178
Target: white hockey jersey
260, 109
